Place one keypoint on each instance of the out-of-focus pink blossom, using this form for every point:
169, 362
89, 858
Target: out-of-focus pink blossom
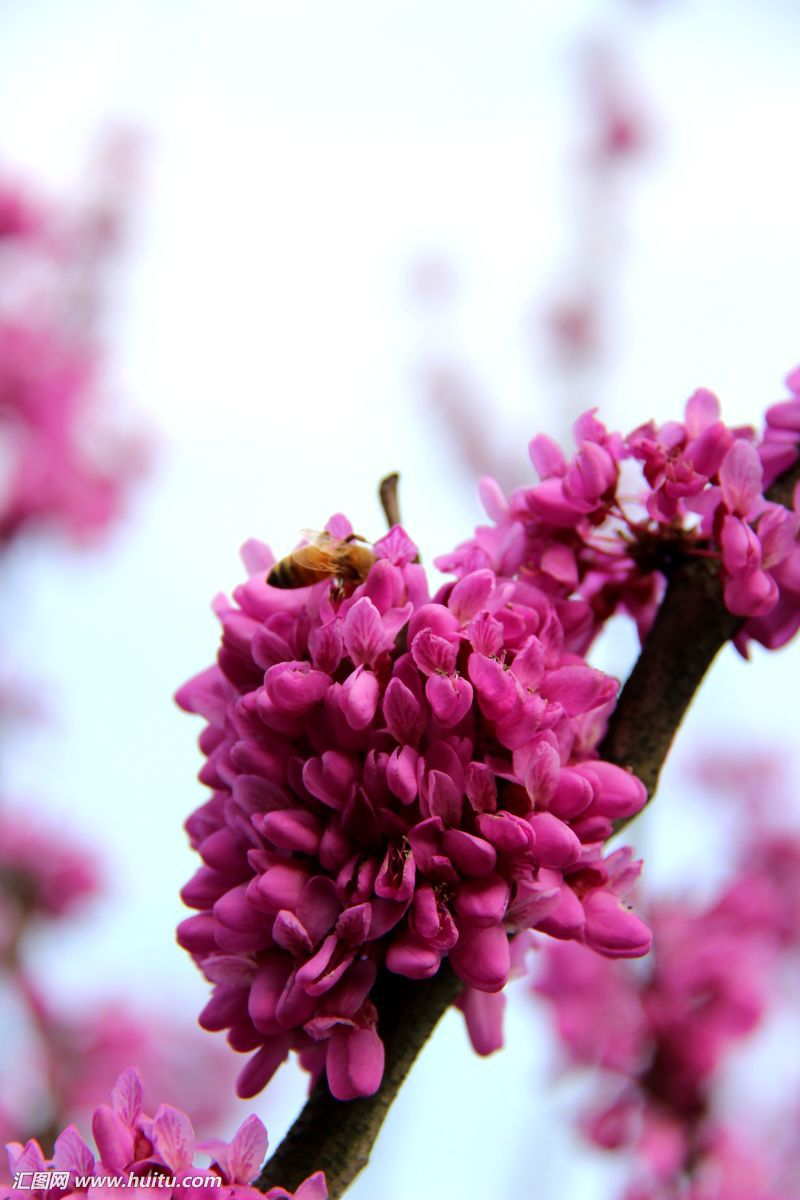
661, 1031
159, 1150
42, 872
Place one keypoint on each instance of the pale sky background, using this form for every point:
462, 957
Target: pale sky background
301, 159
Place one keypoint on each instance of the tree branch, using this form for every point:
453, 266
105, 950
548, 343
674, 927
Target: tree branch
337, 1136
691, 626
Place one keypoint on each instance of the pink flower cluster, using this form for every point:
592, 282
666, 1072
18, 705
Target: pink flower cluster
56, 477
60, 467
591, 532
159, 1149
396, 780
41, 874
661, 1036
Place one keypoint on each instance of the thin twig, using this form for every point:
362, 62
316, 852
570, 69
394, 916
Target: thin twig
389, 501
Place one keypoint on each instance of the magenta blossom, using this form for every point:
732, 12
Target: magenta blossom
42, 874
160, 1150
662, 1034
397, 780
592, 537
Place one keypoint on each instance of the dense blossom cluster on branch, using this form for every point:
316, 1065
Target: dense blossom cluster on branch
396, 779
607, 525
158, 1152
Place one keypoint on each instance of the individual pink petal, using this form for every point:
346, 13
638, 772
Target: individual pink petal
72, 1154
548, 502
559, 561
741, 548
590, 475
486, 634
294, 687
433, 654
613, 929
248, 1151
785, 415
578, 689
567, 919
413, 957
496, 687
751, 595
472, 595
492, 498
330, 778
542, 774
573, 794
327, 646
617, 792
483, 1012
483, 901
401, 774
708, 451
556, 844
364, 635
546, 456
256, 1074
295, 830
777, 532
396, 546
402, 712
450, 698
436, 618
359, 698
702, 410
127, 1095
354, 1063
173, 1138
507, 832
473, 856
481, 788
482, 958
112, 1137
740, 477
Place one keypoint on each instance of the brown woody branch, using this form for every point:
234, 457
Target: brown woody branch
337, 1136
691, 627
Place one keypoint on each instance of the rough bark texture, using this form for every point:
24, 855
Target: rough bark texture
337, 1136
691, 627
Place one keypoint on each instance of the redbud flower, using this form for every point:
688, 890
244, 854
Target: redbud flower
159, 1150
397, 780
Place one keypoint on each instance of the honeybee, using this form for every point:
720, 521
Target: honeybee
346, 560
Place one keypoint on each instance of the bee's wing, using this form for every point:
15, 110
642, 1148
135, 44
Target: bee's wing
318, 552
318, 537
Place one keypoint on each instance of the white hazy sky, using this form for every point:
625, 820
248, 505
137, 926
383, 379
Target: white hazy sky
301, 158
